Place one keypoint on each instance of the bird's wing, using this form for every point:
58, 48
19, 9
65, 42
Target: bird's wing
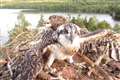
96, 43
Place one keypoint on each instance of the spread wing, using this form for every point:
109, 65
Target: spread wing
99, 43
90, 42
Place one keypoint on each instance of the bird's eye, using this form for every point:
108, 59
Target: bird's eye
63, 32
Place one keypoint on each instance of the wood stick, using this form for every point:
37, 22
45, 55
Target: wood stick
3, 61
96, 69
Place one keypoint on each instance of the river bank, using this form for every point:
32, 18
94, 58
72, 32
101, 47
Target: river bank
8, 17
98, 6
111, 7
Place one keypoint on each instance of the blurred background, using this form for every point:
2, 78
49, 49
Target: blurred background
92, 14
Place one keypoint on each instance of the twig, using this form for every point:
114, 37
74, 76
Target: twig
96, 68
15, 39
3, 61
9, 68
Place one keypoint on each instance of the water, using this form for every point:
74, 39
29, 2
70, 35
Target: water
8, 18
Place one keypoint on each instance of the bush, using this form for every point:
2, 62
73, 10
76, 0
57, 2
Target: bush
20, 27
78, 21
116, 28
103, 25
41, 21
92, 24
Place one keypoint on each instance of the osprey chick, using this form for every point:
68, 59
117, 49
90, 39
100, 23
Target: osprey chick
69, 36
64, 49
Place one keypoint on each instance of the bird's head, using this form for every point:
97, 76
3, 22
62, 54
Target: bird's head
66, 34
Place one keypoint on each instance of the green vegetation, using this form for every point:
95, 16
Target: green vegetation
41, 21
92, 24
97, 6
117, 28
78, 21
20, 27
103, 25
89, 6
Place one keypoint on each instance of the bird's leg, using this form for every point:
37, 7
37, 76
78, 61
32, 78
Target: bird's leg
105, 53
9, 68
50, 61
71, 59
98, 61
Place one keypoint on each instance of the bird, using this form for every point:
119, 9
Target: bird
67, 34
63, 49
57, 52
69, 37
27, 65
62, 42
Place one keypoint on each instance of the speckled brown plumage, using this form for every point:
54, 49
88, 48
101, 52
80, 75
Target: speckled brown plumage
27, 65
95, 47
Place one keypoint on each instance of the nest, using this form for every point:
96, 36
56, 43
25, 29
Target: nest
91, 61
